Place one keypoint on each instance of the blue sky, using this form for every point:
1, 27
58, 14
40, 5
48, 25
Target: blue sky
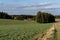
30, 7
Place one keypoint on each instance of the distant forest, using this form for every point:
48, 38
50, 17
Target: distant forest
40, 17
57, 16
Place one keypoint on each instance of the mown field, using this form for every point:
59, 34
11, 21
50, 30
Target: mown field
20, 30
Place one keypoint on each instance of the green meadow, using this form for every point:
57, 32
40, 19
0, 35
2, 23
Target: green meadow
20, 30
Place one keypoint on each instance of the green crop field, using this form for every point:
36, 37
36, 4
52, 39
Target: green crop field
20, 30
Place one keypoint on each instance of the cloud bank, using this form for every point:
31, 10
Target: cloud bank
27, 8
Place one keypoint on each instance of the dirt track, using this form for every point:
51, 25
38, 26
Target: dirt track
51, 34
57, 25
48, 35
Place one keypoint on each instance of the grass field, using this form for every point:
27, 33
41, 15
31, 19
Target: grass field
20, 30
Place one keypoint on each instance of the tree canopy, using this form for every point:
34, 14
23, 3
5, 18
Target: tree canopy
4, 15
43, 17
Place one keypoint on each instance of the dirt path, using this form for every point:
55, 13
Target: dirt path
48, 35
57, 25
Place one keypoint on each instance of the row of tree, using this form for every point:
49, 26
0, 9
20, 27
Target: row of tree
4, 15
22, 17
57, 16
41, 17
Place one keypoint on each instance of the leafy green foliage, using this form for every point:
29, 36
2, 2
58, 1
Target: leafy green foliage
43, 17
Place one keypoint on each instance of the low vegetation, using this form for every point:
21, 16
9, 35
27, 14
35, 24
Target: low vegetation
20, 30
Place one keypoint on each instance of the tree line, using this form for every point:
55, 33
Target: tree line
57, 16
41, 17
4, 15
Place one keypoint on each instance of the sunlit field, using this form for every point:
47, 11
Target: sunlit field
20, 30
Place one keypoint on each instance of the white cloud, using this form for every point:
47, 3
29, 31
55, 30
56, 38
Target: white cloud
38, 4
34, 5
21, 8
45, 3
52, 7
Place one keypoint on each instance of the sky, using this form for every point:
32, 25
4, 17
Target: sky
30, 7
